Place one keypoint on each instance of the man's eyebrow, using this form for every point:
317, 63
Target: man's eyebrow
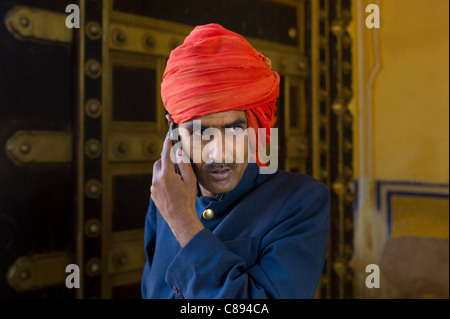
238, 122
235, 123
190, 126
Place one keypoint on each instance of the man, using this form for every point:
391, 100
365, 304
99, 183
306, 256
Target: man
220, 228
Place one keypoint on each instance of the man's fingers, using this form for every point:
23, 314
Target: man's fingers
183, 162
156, 169
185, 166
166, 161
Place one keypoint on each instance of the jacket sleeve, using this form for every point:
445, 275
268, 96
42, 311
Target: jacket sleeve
290, 262
149, 239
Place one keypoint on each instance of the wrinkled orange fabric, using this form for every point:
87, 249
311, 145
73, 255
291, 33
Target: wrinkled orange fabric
217, 70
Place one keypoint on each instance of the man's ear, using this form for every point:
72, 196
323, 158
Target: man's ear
169, 119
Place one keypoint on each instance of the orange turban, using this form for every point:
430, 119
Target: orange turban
216, 70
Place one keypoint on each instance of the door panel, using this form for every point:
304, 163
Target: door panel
128, 212
250, 18
133, 89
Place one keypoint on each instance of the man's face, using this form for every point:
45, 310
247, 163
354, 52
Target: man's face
220, 169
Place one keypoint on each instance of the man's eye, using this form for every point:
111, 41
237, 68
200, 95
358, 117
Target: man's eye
235, 129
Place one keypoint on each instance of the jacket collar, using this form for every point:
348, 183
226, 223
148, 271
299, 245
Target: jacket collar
225, 200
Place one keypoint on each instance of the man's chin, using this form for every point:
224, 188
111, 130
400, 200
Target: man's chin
217, 184
221, 180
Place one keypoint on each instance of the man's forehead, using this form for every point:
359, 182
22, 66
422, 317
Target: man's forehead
220, 119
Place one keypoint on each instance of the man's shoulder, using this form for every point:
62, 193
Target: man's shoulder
299, 182
293, 195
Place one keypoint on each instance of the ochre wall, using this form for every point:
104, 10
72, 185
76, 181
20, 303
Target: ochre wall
411, 100
401, 111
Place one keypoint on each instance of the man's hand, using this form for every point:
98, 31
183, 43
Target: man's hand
175, 196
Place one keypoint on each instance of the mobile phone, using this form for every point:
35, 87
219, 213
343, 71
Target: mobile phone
174, 141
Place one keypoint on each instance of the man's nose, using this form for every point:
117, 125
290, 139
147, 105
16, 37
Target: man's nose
219, 151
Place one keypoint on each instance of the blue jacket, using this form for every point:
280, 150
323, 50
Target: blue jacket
268, 239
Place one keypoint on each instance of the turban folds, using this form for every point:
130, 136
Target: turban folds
216, 70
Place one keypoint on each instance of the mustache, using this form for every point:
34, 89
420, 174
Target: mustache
213, 166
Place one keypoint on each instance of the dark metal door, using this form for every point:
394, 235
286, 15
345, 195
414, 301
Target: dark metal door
36, 165
76, 162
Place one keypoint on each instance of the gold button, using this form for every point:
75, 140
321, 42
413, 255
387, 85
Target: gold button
208, 214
